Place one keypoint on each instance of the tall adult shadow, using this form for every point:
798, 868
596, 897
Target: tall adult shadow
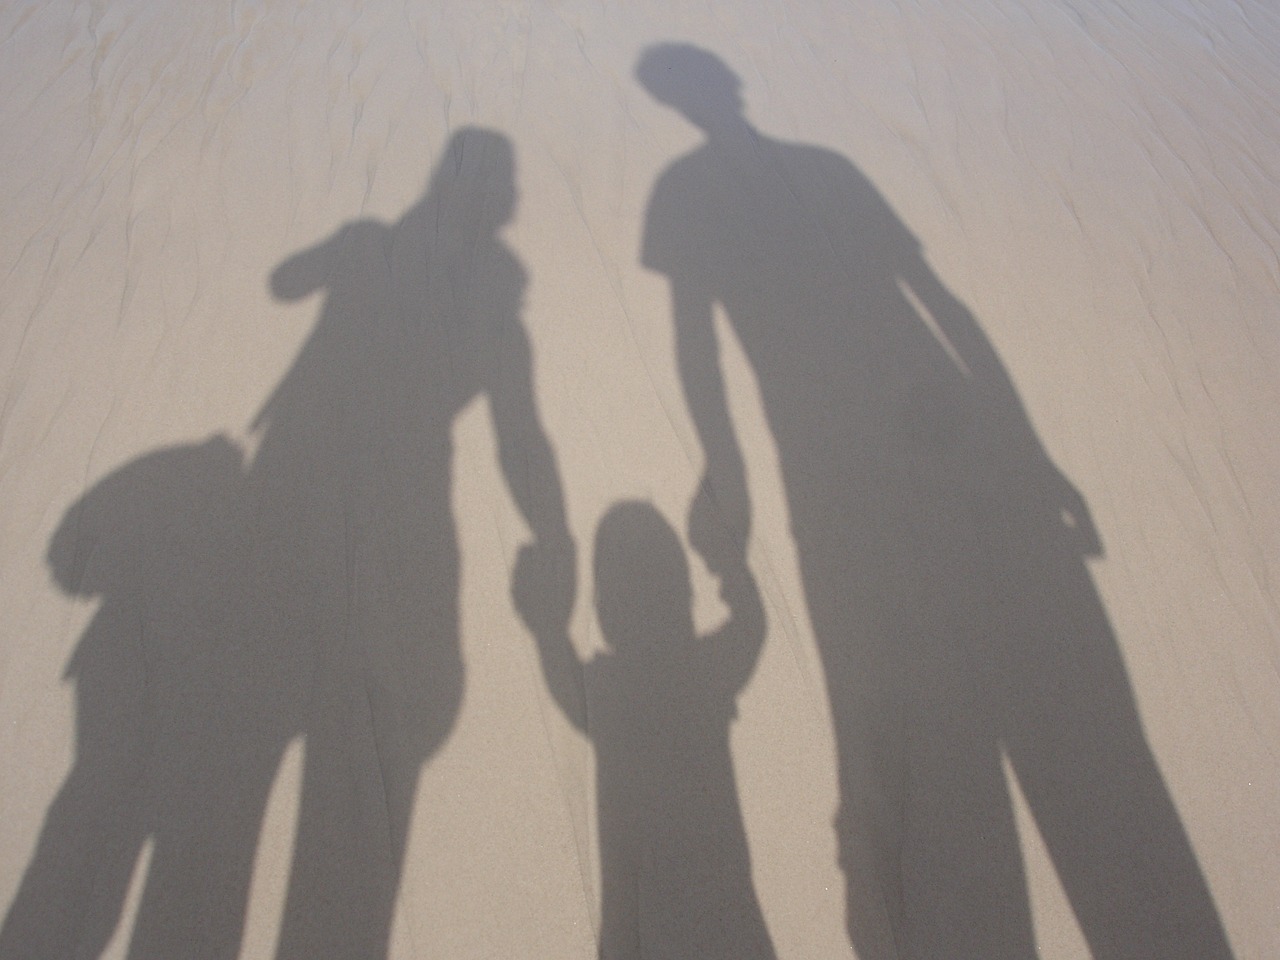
359, 559
312, 594
941, 550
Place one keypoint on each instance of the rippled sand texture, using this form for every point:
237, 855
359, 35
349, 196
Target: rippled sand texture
581, 479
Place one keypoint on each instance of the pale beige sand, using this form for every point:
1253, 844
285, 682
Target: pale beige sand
249, 645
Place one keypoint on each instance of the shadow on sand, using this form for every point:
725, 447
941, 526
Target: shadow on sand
942, 555
312, 594
657, 706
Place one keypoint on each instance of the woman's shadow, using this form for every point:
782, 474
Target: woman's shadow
359, 556
312, 594
942, 555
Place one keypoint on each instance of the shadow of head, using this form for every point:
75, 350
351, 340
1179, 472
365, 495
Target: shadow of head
643, 596
693, 81
476, 179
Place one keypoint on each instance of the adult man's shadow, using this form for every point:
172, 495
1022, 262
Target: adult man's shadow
312, 594
941, 553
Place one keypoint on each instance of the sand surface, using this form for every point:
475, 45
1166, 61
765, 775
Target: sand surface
940, 340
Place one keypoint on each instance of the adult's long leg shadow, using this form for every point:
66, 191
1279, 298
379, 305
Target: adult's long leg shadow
942, 554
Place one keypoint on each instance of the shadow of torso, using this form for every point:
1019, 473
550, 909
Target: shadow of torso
358, 555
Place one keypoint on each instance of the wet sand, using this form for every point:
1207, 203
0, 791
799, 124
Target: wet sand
947, 330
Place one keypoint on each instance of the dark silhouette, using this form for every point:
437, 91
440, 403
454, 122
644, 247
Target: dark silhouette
176, 719
313, 594
941, 553
657, 706
352, 488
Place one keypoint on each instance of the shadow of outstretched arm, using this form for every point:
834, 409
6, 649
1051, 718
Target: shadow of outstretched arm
998, 400
724, 481
306, 271
539, 603
544, 580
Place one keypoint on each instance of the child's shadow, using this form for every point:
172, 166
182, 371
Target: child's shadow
657, 706
179, 719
